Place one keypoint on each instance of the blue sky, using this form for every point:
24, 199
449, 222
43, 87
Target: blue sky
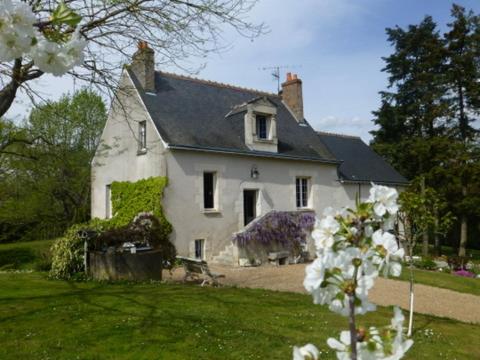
336, 46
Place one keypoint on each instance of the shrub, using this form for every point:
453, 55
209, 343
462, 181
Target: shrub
288, 229
457, 262
464, 273
426, 263
68, 251
128, 200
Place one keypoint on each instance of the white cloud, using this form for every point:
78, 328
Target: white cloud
348, 126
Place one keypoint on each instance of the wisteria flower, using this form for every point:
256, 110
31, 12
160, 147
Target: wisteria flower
384, 199
307, 352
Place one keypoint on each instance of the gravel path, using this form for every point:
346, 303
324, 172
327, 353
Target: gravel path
428, 299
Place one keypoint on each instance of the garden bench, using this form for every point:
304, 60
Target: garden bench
195, 268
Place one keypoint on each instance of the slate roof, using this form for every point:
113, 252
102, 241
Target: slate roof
359, 162
192, 114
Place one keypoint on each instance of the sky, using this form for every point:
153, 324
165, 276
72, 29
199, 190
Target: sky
335, 47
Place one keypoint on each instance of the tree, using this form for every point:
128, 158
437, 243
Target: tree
426, 118
463, 74
48, 179
176, 29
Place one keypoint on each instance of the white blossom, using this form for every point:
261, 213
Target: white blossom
342, 347
324, 233
390, 253
16, 30
384, 200
307, 352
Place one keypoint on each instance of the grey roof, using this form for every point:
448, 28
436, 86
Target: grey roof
359, 162
192, 114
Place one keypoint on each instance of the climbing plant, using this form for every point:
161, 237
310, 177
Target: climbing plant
128, 200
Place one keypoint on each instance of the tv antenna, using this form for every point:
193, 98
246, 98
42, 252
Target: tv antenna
275, 71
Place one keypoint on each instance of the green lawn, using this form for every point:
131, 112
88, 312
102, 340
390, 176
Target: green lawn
23, 255
45, 319
443, 280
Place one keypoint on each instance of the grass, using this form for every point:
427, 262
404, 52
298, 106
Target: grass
443, 280
45, 319
23, 255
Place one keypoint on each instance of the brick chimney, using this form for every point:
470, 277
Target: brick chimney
143, 66
291, 94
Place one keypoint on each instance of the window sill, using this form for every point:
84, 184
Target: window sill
141, 152
265, 141
305, 209
211, 211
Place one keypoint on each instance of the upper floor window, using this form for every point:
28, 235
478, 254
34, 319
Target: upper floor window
108, 201
209, 190
142, 136
301, 187
262, 132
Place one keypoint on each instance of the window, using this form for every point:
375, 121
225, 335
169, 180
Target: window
108, 202
199, 249
301, 187
142, 136
209, 190
261, 126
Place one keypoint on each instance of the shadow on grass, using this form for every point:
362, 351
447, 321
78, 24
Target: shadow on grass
15, 257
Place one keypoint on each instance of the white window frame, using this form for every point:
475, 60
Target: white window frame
142, 137
214, 189
199, 244
300, 198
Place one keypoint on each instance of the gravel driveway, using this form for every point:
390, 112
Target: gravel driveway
428, 299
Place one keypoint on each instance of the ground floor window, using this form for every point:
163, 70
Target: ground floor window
108, 201
199, 249
301, 187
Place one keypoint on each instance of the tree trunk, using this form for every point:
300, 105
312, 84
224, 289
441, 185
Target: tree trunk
462, 249
425, 237
436, 237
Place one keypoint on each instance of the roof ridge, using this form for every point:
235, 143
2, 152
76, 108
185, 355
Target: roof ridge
218, 84
338, 135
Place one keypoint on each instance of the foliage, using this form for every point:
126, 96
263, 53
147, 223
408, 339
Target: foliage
353, 247
284, 228
426, 119
144, 230
37, 314
128, 200
425, 263
68, 251
45, 179
464, 273
457, 262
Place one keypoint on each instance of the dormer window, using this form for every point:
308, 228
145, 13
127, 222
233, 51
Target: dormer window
262, 132
142, 137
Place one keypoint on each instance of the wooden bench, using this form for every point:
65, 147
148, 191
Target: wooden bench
195, 268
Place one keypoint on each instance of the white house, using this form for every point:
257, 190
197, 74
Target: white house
231, 155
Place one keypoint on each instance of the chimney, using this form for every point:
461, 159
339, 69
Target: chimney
143, 66
291, 94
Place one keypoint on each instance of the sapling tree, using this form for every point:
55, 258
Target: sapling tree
90, 40
420, 212
353, 247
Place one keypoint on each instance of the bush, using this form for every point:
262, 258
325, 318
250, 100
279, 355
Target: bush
426, 264
44, 261
68, 251
457, 262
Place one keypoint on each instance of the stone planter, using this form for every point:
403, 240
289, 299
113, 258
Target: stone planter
145, 265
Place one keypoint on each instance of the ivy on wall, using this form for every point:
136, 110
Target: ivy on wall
131, 198
128, 199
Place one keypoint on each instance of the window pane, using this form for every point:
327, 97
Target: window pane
142, 135
208, 190
304, 192
261, 127
298, 192
199, 249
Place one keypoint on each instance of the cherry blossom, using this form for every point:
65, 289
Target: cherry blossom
307, 352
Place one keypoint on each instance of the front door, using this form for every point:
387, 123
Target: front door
249, 205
